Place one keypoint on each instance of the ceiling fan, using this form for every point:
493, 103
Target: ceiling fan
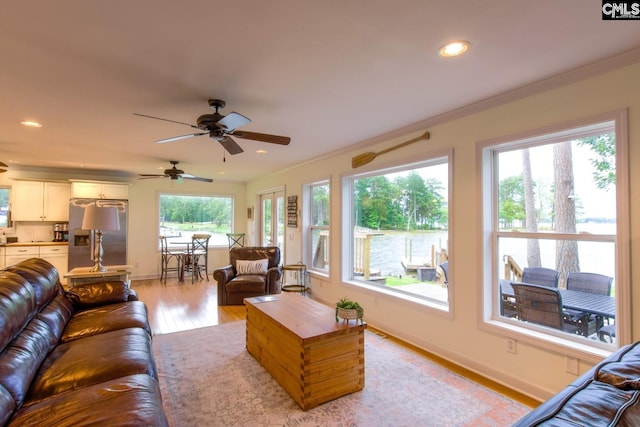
222, 128
175, 174
2, 165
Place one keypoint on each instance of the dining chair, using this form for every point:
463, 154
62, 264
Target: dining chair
592, 283
540, 276
543, 305
167, 257
199, 255
533, 275
589, 282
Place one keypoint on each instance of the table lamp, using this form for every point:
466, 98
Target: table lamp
100, 219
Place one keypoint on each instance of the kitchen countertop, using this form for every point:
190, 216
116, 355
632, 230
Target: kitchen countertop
36, 244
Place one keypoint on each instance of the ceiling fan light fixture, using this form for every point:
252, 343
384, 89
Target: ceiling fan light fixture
455, 48
31, 123
261, 151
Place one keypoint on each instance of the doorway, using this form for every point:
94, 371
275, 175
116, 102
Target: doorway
272, 219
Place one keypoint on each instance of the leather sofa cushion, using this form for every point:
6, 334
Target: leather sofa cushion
92, 360
128, 401
106, 318
17, 306
622, 370
40, 274
247, 283
596, 404
7, 405
20, 359
57, 314
91, 294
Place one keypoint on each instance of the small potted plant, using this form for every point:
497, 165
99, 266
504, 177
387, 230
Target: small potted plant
347, 310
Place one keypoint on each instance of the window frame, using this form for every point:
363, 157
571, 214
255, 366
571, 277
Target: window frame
438, 157
309, 227
10, 228
212, 243
488, 252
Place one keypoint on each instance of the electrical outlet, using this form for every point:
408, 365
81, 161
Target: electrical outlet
511, 346
572, 365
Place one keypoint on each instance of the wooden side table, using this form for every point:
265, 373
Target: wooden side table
300, 286
80, 275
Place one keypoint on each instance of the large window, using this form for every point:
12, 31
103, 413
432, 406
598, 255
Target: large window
318, 211
554, 233
181, 216
4, 207
398, 230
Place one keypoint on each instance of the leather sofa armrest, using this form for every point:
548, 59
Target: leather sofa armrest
102, 293
274, 274
133, 295
224, 274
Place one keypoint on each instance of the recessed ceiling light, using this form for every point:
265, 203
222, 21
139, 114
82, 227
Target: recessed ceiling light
261, 152
31, 123
220, 173
455, 48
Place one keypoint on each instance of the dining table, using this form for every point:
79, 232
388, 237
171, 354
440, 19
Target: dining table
587, 302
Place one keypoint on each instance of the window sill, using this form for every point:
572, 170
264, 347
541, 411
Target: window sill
590, 351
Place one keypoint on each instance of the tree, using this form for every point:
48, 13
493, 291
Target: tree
565, 209
511, 201
531, 219
604, 146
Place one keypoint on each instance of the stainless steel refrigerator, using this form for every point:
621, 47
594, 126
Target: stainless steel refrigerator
82, 242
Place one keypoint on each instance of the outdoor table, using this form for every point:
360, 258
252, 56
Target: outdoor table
587, 302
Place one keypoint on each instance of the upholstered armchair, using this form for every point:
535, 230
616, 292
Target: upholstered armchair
252, 271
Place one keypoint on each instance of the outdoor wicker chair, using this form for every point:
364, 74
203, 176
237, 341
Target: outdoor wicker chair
543, 305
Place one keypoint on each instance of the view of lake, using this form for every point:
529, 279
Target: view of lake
389, 249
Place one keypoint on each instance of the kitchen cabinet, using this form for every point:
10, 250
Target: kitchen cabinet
57, 255
99, 190
40, 201
16, 254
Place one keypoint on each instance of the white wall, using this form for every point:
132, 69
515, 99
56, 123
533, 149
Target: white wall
532, 370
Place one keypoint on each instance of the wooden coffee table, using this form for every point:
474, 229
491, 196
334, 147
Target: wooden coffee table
313, 357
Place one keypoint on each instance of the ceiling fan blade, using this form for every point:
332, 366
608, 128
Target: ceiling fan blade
230, 145
3, 165
264, 137
3, 170
195, 178
166, 120
149, 176
233, 121
176, 138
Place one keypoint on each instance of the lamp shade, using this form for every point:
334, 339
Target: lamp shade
100, 218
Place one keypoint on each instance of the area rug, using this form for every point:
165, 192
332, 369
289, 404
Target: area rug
208, 378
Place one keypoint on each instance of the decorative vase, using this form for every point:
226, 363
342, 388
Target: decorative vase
348, 314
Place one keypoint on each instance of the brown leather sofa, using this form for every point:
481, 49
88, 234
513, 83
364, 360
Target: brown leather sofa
75, 358
233, 288
606, 395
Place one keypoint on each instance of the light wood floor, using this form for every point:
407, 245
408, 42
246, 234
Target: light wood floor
176, 306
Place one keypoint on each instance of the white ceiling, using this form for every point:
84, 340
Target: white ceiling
329, 74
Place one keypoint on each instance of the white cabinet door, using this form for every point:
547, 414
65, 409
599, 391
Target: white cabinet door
99, 190
16, 254
40, 201
58, 256
56, 201
26, 200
